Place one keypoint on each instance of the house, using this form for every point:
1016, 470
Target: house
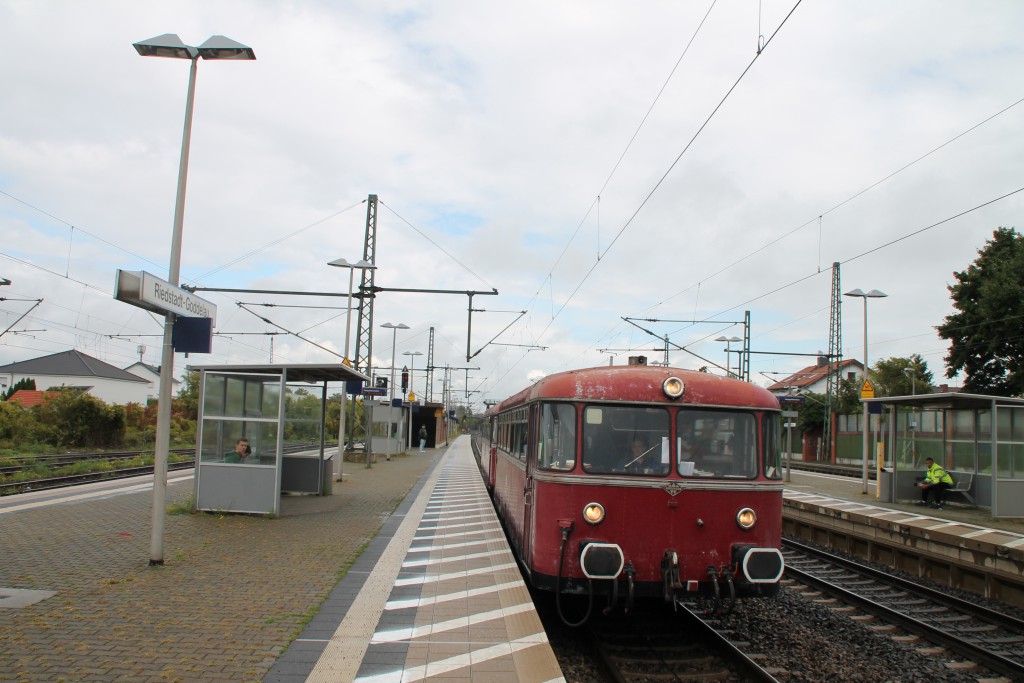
814, 378
151, 374
76, 370
31, 397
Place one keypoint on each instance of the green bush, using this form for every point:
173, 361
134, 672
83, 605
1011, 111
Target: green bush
78, 420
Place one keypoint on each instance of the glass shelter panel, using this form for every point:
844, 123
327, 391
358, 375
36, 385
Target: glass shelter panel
302, 418
213, 394
235, 407
628, 440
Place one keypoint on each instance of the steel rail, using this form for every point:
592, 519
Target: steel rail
954, 643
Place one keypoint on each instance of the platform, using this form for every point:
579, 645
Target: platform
960, 546
443, 600
79, 602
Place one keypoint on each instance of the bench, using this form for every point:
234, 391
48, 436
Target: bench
962, 482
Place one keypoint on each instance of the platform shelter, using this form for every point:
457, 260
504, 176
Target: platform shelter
261, 433
978, 439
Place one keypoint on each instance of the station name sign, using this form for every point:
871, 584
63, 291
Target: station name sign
139, 288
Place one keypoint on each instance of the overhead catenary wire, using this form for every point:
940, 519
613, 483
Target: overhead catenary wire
670, 168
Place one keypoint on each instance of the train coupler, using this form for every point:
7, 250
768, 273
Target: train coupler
630, 586
670, 575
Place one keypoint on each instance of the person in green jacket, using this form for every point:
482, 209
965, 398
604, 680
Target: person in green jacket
936, 481
242, 451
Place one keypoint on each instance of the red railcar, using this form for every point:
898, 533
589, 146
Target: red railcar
640, 481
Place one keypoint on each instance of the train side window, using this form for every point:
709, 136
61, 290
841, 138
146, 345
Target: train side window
556, 442
772, 446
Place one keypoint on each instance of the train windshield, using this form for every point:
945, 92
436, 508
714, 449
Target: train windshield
716, 444
626, 440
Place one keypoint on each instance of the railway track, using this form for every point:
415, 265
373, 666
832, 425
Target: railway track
680, 646
851, 471
976, 634
53, 462
44, 483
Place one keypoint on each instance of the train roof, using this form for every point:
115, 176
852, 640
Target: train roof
643, 383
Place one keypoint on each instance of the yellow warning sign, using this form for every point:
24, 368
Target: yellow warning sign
867, 390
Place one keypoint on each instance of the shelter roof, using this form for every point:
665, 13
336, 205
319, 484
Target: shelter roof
310, 372
949, 400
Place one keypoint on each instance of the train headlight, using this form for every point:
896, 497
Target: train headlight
673, 387
746, 518
593, 513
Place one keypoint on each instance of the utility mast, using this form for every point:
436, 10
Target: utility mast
835, 356
430, 367
364, 329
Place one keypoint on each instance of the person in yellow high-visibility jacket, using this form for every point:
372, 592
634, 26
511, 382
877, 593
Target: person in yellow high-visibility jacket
936, 481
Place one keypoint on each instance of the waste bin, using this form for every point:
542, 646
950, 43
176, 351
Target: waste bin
328, 477
885, 486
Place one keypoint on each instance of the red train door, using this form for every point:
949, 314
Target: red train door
532, 430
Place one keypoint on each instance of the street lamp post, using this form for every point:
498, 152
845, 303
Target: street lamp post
728, 346
873, 294
170, 45
391, 385
407, 439
361, 265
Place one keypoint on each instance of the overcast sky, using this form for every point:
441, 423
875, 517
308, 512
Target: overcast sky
591, 160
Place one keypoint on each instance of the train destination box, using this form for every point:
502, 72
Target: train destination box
144, 290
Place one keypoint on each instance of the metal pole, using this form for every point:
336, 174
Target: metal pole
368, 407
163, 416
391, 407
789, 445
344, 393
866, 416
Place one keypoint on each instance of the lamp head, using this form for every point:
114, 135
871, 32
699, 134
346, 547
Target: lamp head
167, 45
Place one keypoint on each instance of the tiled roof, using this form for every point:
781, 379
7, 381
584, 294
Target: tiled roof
31, 397
70, 364
813, 373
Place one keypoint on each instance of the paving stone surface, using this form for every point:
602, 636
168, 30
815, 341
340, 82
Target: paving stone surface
233, 592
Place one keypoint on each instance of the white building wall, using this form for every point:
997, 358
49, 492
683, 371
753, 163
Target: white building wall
108, 390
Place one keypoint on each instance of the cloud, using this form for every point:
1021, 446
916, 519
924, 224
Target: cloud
506, 147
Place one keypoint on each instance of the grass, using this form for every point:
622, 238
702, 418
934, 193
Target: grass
183, 506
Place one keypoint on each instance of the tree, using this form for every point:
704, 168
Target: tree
78, 420
23, 383
187, 401
985, 335
902, 376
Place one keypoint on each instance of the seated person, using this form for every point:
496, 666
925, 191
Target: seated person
242, 451
936, 481
640, 458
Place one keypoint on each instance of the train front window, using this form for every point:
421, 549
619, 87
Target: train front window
625, 440
714, 443
556, 443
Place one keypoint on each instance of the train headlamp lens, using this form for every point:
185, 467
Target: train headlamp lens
746, 518
673, 387
593, 513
